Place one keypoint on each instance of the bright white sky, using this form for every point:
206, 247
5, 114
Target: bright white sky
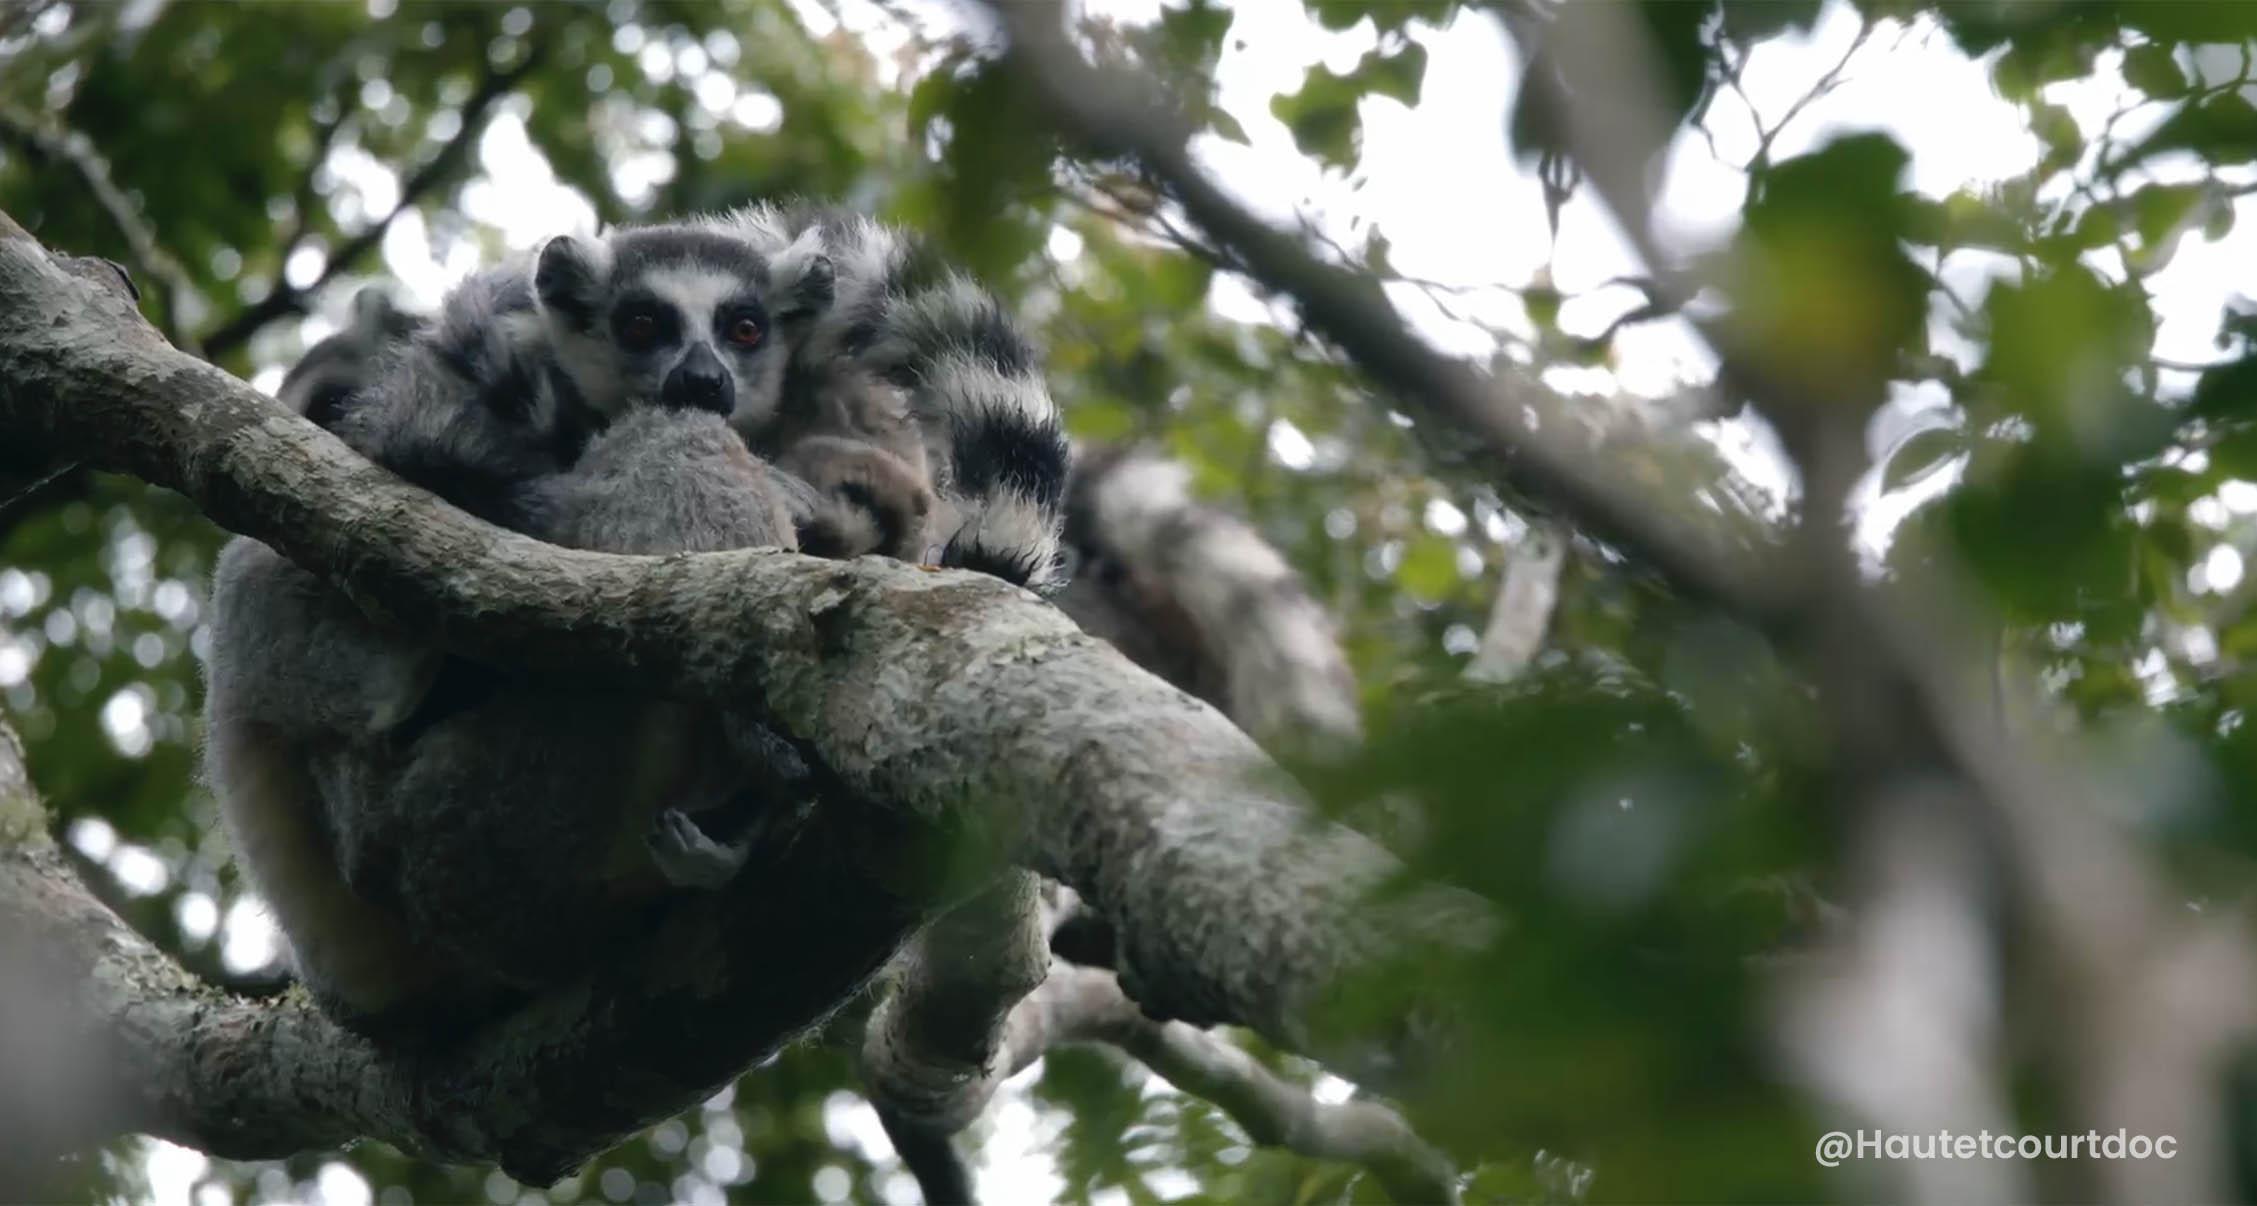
1438, 179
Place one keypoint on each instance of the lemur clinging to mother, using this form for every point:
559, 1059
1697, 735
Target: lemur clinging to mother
435, 836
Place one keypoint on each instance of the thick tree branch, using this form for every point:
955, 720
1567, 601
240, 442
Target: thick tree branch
946, 701
932, 1055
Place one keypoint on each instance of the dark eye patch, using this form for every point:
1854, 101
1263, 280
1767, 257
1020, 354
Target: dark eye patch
642, 323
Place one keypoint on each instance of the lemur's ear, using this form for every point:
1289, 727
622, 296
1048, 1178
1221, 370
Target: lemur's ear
803, 278
811, 294
569, 278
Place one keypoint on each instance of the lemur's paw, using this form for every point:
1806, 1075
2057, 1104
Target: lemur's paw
687, 858
871, 501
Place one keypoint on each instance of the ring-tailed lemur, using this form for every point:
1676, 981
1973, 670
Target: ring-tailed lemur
434, 836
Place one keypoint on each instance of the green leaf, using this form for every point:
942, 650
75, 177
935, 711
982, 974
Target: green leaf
2042, 56
2221, 129
1542, 302
1337, 15
2227, 391
1398, 75
1818, 270
2220, 221
1750, 21
2059, 339
932, 97
1964, 219
2097, 227
1390, 16
1226, 127
2235, 455
2152, 68
1322, 117
2046, 533
1179, 282
2159, 209
1194, 33
2057, 130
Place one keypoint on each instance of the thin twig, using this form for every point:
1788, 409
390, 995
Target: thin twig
1079, 1004
1825, 85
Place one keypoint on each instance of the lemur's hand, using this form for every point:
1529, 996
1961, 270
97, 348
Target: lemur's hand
867, 500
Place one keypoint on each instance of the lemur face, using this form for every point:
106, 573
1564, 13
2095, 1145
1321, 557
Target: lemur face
667, 316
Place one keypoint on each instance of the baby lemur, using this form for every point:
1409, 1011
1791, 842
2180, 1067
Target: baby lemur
438, 838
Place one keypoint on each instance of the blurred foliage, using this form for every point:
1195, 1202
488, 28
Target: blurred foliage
1645, 803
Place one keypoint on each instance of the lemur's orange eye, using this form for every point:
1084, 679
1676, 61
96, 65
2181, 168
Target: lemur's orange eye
745, 331
639, 329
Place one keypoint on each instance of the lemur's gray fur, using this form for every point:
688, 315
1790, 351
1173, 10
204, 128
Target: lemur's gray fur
436, 836
325, 379
851, 438
310, 703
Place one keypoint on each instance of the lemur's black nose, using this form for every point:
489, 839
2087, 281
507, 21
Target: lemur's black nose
700, 382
